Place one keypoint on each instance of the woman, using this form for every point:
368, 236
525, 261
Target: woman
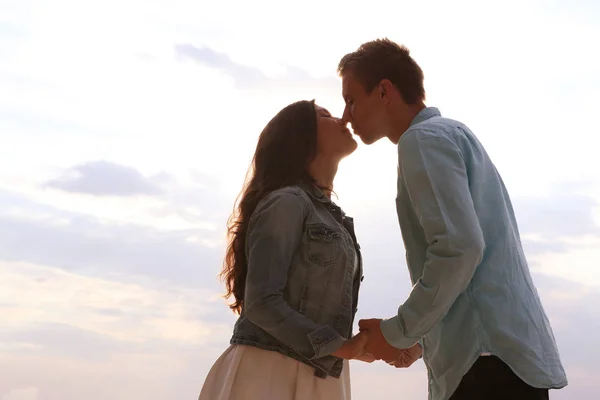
293, 267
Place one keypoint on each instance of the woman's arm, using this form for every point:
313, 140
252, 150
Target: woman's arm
275, 232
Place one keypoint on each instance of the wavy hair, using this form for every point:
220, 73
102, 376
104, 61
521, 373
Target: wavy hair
285, 148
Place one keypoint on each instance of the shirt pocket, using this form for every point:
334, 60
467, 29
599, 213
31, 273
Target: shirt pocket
324, 244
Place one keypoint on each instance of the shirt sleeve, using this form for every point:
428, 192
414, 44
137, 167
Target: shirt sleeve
275, 232
435, 176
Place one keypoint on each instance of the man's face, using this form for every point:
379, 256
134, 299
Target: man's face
366, 112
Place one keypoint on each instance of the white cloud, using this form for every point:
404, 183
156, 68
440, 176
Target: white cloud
72, 336
132, 312
22, 394
579, 264
88, 246
118, 194
101, 178
118, 296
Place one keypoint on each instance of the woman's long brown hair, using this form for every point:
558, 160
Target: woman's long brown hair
285, 147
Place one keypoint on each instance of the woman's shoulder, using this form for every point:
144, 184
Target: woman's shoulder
289, 193
294, 190
288, 198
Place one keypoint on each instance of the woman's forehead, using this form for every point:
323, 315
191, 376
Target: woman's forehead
321, 110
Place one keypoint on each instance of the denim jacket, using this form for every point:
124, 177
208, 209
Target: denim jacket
304, 274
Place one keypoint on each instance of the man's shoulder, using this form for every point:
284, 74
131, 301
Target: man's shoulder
436, 126
445, 129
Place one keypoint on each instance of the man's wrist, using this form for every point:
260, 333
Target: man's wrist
390, 328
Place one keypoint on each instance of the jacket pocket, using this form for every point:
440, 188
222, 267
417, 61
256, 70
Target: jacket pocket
323, 244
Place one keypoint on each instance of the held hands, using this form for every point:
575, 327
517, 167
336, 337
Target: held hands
354, 349
382, 350
408, 357
370, 345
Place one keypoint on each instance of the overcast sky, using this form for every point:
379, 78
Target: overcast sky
126, 127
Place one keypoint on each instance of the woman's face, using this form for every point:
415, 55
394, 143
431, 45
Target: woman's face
334, 140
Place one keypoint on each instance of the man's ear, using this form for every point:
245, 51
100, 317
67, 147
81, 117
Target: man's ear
385, 86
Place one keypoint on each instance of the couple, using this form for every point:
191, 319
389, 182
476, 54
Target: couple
294, 267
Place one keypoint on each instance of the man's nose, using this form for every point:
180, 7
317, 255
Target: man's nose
346, 117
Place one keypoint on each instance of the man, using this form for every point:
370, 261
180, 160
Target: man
473, 308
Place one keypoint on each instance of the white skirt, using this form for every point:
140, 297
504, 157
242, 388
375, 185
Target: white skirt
249, 373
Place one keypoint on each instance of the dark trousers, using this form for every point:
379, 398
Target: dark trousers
491, 379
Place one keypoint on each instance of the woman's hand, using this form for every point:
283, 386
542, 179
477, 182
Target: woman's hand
354, 348
369, 358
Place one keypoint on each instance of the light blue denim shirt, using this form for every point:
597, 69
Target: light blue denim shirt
473, 292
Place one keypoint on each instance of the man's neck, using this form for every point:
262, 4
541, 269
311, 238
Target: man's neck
404, 118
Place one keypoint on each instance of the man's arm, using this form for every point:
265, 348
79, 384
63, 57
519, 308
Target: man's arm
435, 178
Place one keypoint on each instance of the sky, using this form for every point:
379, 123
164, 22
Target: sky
126, 129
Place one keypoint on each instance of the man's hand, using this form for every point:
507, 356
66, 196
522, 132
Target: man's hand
376, 343
408, 357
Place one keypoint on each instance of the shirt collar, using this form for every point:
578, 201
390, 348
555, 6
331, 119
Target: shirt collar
425, 114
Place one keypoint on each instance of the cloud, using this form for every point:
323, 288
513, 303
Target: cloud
199, 200
93, 246
188, 200
115, 292
102, 178
118, 298
22, 394
64, 340
246, 77
142, 314
534, 247
107, 338
86, 234
572, 311
134, 355
86, 245
558, 214
559, 221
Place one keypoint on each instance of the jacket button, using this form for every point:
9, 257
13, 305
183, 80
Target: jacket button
362, 278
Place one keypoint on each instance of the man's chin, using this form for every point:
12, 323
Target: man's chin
368, 140
365, 138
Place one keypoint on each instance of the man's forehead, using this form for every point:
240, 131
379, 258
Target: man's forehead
348, 83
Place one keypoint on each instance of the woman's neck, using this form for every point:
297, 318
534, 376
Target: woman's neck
323, 173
